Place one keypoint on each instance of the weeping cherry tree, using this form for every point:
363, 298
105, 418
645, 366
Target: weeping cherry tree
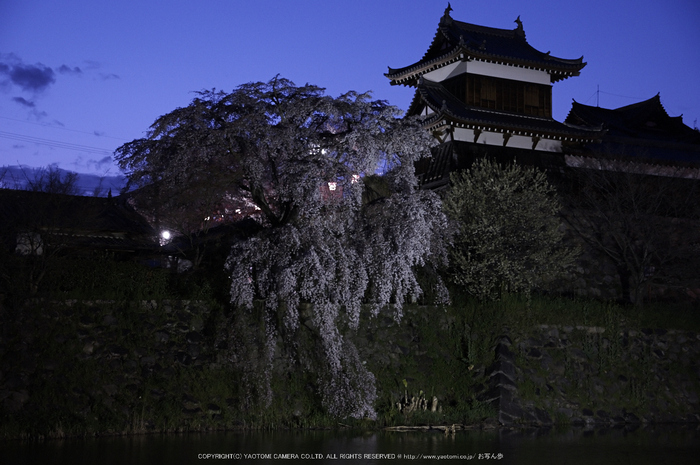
301, 159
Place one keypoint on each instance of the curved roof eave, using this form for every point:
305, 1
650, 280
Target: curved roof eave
408, 74
483, 118
504, 46
565, 132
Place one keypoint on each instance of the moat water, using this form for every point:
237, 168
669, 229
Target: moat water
650, 445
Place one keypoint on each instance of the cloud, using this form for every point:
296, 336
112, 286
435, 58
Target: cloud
23, 101
30, 78
104, 164
36, 78
106, 77
68, 70
92, 64
33, 78
39, 115
99, 164
104, 161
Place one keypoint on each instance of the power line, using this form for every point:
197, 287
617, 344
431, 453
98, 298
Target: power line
623, 96
55, 143
589, 98
62, 128
597, 93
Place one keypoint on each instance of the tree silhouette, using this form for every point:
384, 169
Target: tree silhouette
642, 218
298, 158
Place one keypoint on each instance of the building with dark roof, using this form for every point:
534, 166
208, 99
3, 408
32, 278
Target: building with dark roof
642, 133
486, 91
39, 222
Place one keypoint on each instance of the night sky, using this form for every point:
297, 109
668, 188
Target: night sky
79, 78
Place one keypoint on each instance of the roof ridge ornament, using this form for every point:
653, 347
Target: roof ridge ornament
446, 19
448, 9
519, 30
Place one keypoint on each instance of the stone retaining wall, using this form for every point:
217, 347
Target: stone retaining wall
594, 376
100, 361
161, 367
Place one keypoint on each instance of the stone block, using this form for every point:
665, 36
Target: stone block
510, 413
542, 417
506, 384
503, 353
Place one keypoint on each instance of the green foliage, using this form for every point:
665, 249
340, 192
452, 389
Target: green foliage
642, 222
104, 278
421, 358
509, 232
433, 352
107, 279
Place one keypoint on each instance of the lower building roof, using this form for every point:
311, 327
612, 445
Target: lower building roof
448, 110
643, 131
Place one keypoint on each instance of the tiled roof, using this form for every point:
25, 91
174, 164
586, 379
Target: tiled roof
647, 120
644, 130
457, 40
447, 107
88, 221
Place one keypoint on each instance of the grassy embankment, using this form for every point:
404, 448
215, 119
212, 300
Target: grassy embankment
90, 368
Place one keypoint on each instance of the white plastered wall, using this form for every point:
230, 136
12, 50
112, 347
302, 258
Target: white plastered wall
489, 69
516, 141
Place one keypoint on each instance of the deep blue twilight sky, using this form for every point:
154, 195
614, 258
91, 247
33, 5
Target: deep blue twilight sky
78, 78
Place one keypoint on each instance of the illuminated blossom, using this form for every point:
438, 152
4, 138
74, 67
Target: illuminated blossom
300, 157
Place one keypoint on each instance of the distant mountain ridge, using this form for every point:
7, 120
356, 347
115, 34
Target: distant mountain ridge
19, 177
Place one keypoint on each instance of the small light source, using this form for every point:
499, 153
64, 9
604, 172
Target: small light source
332, 186
164, 237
